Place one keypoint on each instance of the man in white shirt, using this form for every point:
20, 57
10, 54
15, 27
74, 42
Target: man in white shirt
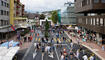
85, 57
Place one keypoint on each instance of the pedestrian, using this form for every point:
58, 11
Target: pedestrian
77, 53
62, 57
71, 45
25, 38
51, 54
31, 38
43, 41
78, 41
85, 57
103, 47
71, 54
43, 50
92, 57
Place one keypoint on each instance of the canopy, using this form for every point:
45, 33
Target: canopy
10, 43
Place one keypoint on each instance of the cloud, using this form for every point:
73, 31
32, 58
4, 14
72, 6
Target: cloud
43, 5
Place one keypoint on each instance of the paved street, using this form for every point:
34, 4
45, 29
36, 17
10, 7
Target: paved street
36, 54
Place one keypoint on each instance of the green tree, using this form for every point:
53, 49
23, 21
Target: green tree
46, 29
55, 17
42, 16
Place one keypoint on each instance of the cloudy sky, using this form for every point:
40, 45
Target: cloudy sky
43, 5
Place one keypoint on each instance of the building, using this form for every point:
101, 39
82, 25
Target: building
33, 18
68, 16
4, 17
19, 14
93, 20
11, 13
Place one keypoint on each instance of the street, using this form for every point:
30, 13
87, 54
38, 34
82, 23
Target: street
37, 54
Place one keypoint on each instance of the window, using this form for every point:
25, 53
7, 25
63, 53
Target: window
0, 22
96, 1
5, 4
2, 3
101, 22
103, 1
1, 12
7, 13
4, 12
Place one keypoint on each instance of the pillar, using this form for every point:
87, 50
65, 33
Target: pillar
11, 12
99, 38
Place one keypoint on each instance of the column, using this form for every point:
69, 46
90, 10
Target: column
99, 38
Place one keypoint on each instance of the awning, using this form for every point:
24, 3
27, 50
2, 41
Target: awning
20, 18
8, 54
10, 43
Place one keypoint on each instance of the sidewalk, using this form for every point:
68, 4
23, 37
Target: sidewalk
24, 44
92, 46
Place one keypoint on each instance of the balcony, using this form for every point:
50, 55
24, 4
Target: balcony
94, 23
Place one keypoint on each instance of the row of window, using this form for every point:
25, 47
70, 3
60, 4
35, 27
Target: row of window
87, 2
97, 1
2, 12
4, 22
92, 21
3, 3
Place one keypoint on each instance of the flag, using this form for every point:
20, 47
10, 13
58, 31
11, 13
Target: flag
13, 27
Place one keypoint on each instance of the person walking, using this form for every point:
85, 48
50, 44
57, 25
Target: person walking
62, 57
31, 38
85, 57
92, 57
77, 53
43, 50
71, 54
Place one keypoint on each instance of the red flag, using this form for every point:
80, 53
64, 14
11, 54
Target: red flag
13, 28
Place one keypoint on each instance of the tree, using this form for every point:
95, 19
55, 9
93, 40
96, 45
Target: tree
46, 29
42, 16
55, 17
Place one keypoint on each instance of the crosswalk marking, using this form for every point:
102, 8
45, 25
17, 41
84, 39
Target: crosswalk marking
55, 40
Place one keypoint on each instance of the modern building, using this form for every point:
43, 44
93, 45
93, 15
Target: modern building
93, 20
4, 17
68, 15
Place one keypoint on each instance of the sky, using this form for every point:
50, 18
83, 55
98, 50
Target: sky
43, 5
